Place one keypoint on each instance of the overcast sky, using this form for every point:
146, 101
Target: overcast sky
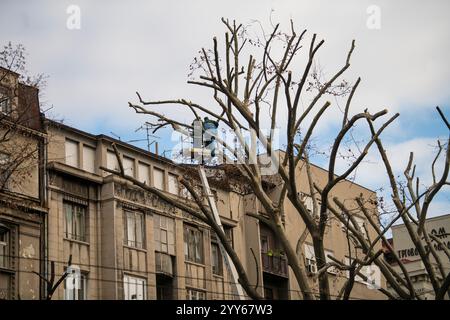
124, 46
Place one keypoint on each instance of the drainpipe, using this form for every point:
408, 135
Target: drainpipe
45, 204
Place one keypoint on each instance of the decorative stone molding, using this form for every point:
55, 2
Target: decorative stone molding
143, 198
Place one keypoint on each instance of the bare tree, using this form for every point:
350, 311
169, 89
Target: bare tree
411, 204
253, 81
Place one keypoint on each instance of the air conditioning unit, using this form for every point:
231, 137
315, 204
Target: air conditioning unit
311, 268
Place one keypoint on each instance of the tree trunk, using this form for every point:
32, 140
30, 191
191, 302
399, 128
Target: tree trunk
319, 252
292, 258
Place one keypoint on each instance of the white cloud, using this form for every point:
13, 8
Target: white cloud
148, 45
372, 172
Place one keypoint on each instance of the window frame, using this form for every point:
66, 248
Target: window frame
217, 270
5, 175
84, 281
111, 160
127, 160
172, 181
362, 224
264, 239
89, 151
184, 193
190, 293
126, 285
228, 230
144, 178
163, 224
331, 270
73, 235
127, 241
163, 184
76, 156
5, 104
6, 244
191, 243
310, 259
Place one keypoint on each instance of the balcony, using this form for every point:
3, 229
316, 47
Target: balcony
164, 264
274, 264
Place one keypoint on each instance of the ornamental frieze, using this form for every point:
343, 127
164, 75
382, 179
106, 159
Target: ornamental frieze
143, 198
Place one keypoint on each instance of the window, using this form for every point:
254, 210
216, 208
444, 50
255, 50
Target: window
216, 259
332, 270
5, 171
144, 173
307, 201
111, 161
192, 294
75, 224
360, 221
372, 272
7, 254
362, 226
89, 159
72, 153
358, 278
173, 184
164, 240
264, 244
75, 285
185, 193
310, 259
158, 178
4, 247
134, 229
5, 104
193, 244
128, 166
229, 234
164, 232
134, 288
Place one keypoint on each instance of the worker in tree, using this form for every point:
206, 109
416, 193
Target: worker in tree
209, 134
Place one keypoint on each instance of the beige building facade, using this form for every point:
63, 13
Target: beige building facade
22, 192
59, 206
129, 244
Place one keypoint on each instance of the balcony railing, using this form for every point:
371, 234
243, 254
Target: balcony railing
274, 264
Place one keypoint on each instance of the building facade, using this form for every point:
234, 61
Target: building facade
22, 190
126, 243
116, 241
409, 255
